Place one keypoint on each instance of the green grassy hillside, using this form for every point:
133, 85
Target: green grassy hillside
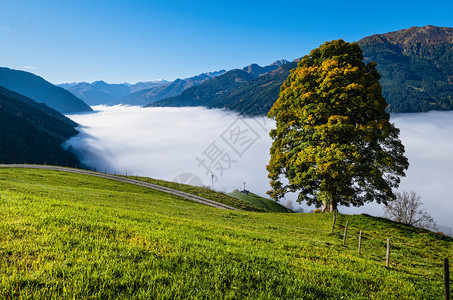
70, 236
208, 194
260, 202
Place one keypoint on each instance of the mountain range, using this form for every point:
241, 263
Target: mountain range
141, 93
145, 96
33, 132
41, 91
251, 90
416, 67
100, 92
144, 93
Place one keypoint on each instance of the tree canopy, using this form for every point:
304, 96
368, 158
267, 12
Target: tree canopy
333, 141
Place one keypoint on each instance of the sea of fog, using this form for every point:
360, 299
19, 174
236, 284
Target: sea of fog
189, 144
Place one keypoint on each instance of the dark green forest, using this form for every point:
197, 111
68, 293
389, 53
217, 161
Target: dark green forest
31, 132
203, 94
416, 67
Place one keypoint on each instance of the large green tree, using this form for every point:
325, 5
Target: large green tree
333, 141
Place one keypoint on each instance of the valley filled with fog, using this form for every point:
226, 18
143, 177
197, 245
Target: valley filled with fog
187, 144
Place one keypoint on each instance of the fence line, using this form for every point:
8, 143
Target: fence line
446, 279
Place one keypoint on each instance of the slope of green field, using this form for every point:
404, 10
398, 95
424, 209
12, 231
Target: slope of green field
71, 236
208, 194
260, 202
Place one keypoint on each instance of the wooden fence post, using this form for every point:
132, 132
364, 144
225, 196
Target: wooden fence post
334, 219
345, 232
446, 279
360, 240
387, 262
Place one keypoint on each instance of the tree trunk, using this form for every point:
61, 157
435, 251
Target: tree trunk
329, 207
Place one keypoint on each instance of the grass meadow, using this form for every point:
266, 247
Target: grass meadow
259, 201
71, 236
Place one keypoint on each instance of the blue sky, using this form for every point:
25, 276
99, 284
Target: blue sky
118, 41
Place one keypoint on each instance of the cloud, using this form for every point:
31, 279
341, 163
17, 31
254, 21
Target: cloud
167, 142
29, 68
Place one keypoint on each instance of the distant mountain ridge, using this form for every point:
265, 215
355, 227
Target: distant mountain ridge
256, 70
144, 93
41, 91
416, 67
257, 96
33, 132
147, 85
202, 94
415, 64
100, 92
153, 94
251, 90
414, 35
141, 93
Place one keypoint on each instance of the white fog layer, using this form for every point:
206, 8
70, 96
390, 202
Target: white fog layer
166, 142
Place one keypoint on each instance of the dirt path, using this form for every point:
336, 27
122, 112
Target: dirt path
128, 180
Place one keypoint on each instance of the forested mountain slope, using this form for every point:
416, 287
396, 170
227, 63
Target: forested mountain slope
41, 91
32, 132
416, 67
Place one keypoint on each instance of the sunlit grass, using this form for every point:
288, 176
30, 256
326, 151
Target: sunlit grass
207, 193
74, 236
260, 201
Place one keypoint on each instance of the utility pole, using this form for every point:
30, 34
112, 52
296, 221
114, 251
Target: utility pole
212, 180
244, 182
